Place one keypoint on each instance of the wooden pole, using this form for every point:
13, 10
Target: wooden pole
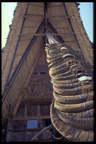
48, 127
5, 132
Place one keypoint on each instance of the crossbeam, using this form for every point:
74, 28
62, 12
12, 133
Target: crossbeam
42, 34
64, 16
31, 118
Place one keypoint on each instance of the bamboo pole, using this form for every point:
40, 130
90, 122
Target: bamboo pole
46, 128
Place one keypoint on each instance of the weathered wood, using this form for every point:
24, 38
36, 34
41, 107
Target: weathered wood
31, 15
43, 140
64, 16
26, 111
34, 26
42, 34
48, 127
30, 34
38, 110
55, 5
33, 101
31, 118
33, 9
17, 104
40, 4
24, 130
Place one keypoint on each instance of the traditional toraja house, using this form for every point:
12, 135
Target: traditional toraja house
54, 101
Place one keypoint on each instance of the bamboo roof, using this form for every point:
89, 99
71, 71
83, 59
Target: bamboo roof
26, 40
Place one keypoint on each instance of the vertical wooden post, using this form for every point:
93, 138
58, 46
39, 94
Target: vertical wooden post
26, 110
6, 129
38, 110
46, 22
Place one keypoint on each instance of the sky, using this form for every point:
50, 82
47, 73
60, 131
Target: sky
86, 13
7, 9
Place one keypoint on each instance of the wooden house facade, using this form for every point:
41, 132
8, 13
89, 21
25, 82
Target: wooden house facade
27, 92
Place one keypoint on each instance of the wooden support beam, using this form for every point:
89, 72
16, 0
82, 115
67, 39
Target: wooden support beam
42, 34
31, 118
64, 16
6, 130
25, 111
31, 15
24, 130
42, 140
36, 5
38, 110
63, 34
62, 27
32, 101
31, 26
18, 103
59, 5
35, 34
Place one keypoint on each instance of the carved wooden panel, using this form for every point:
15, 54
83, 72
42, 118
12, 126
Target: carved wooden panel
39, 85
39, 91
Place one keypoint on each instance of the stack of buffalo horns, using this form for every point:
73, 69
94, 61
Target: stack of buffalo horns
71, 110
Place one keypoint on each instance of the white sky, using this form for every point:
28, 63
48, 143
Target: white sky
86, 13
7, 9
